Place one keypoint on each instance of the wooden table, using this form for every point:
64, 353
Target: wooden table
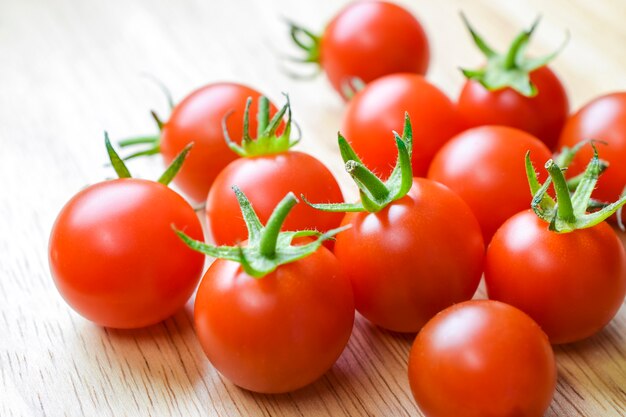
71, 69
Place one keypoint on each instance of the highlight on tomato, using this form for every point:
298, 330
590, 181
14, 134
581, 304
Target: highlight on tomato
265, 171
604, 120
198, 119
365, 41
274, 313
514, 90
113, 255
482, 358
414, 247
379, 109
563, 266
485, 166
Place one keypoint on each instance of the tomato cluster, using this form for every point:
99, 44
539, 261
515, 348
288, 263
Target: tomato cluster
454, 196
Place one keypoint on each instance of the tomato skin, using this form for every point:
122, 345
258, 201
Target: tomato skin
395, 42
603, 119
412, 259
482, 358
379, 109
277, 333
115, 258
542, 116
572, 284
265, 180
198, 119
485, 166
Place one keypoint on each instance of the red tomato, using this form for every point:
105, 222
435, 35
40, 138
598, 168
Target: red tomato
279, 332
485, 166
572, 284
266, 180
379, 109
415, 257
114, 257
603, 119
370, 39
198, 119
542, 115
482, 358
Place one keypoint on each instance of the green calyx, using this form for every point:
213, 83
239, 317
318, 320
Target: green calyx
267, 142
569, 211
122, 170
511, 69
267, 247
376, 194
306, 41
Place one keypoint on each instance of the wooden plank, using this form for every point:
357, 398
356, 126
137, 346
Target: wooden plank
71, 69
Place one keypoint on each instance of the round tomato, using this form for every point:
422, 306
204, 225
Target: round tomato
379, 109
541, 115
279, 332
604, 120
394, 42
198, 119
265, 180
114, 257
415, 257
572, 284
485, 166
482, 358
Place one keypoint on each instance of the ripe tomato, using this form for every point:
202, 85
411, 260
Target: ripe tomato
277, 333
114, 257
265, 180
198, 119
482, 358
542, 115
415, 257
485, 166
379, 109
395, 42
603, 119
572, 284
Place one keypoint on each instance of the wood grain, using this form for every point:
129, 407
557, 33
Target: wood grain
71, 69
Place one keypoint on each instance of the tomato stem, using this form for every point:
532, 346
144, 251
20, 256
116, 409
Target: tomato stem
376, 194
569, 211
267, 142
269, 235
511, 69
267, 246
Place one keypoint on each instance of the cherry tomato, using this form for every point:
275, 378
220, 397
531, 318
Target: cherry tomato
279, 332
603, 119
114, 257
572, 284
266, 180
485, 166
379, 109
415, 257
542, 115
482, 358
198, 119
370, 39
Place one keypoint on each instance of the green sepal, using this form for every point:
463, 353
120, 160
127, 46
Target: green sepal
267, 142
175, 166
619, 213
116, 162
267, 246
376, 194
570, 211
307, 41
351, 86
511, 69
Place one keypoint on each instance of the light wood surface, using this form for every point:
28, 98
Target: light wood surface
70, 69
